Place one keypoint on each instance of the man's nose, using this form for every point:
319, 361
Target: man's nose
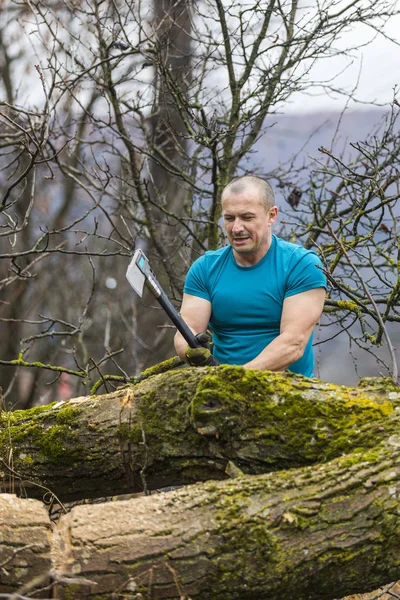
237, 226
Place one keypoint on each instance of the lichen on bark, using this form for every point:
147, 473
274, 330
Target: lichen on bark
283, 533
308, 533
189, 425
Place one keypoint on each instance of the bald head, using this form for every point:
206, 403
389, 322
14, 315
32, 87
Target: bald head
252, 183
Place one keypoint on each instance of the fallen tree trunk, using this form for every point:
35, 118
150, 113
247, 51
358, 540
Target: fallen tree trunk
190, 425
319, 533
316, 532
24, 544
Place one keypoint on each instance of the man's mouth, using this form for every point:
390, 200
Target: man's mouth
240, 239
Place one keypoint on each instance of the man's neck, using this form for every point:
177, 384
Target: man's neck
250, 259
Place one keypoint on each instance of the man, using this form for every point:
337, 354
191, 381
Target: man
261, 296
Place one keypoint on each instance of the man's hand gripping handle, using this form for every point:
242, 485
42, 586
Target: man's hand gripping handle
201, 357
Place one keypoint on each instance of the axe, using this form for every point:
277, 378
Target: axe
140, 273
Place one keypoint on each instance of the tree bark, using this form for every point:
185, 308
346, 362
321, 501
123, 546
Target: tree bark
24, 543
314, 533
323, 524
170, 195
190, 425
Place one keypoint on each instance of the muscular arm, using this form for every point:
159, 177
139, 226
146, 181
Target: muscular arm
196, 312
299, 315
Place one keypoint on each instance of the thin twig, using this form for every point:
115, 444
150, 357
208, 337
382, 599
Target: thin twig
395, 372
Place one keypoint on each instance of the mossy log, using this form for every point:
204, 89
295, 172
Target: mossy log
190, 425
324, 524
313, 533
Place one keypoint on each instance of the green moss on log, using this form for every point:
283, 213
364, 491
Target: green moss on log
42, 429
162, 367
251, 523
229, 403
190, 424
258, 420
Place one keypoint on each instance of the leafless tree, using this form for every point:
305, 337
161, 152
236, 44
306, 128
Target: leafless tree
348, 209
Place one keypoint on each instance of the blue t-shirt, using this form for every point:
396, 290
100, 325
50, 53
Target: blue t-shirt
247, 301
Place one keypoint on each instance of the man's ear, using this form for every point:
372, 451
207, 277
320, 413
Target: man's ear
273, 214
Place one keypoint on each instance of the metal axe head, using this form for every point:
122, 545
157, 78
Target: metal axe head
135, 273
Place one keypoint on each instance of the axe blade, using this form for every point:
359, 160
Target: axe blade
135, 276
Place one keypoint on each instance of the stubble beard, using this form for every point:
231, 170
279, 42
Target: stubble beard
255, 247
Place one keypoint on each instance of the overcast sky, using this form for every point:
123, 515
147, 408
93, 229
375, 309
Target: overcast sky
377, 66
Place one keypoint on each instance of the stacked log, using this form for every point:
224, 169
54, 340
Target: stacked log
309, 505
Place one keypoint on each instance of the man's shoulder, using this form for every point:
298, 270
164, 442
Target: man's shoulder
292, 251
205, 271
211, 257
219, 252
302, 267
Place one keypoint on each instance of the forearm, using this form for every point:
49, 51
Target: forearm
196, 314
181, 344
279, 354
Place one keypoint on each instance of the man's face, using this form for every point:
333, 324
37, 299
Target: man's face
248, 225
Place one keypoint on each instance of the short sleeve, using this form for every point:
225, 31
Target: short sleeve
306, 273
196, 280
